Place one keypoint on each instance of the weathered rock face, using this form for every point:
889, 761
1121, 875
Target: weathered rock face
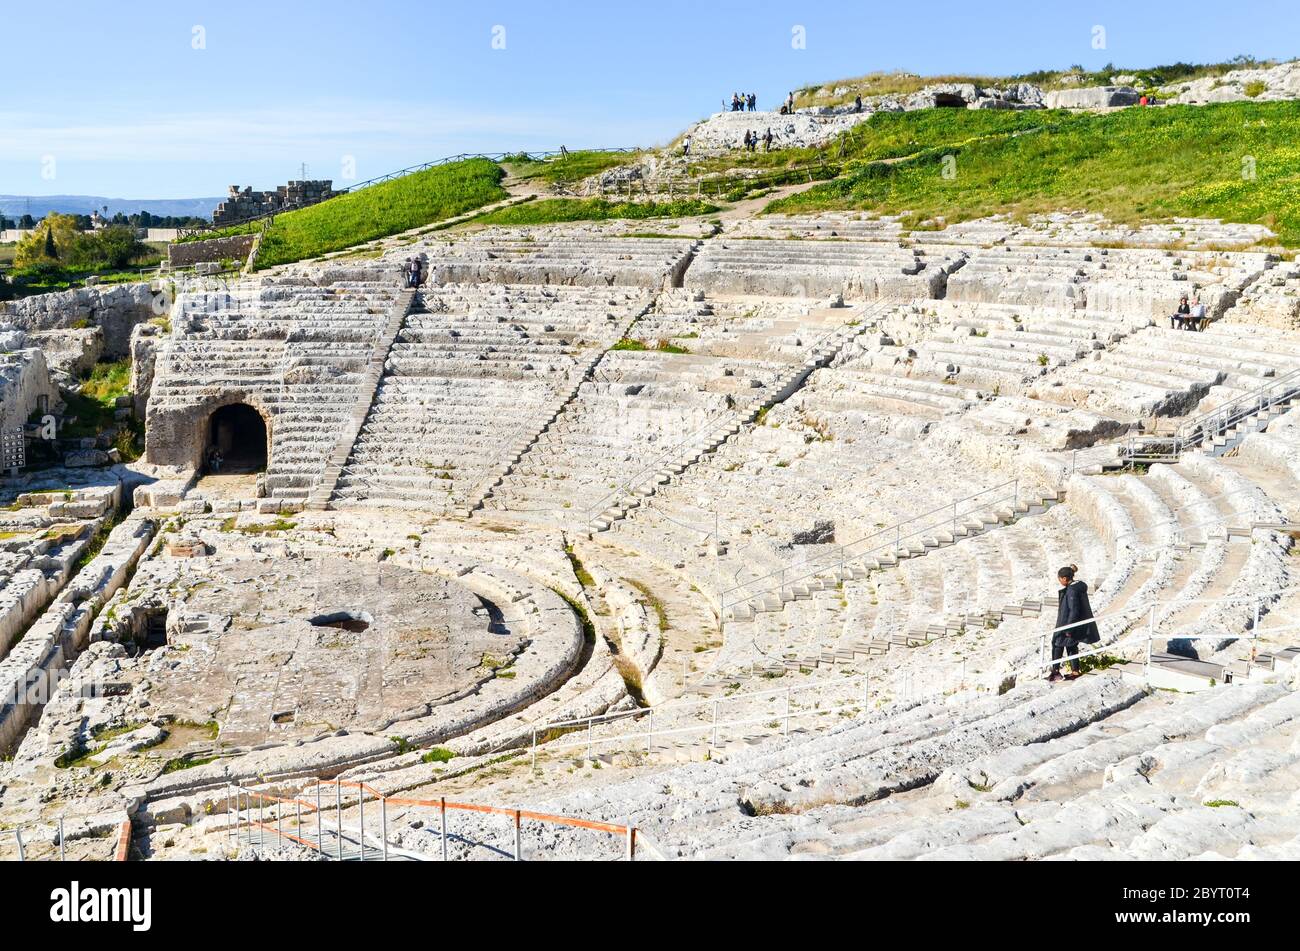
70, 353
941, 95
24, 386
234, 248
115, 310
1093, 97
1273, 83
145, 340
11, 338
726, 130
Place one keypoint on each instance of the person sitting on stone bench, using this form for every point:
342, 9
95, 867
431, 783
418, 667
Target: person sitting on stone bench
1198, 319
1179, 317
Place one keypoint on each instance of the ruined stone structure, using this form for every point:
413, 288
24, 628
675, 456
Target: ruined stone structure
765, 514
246, 203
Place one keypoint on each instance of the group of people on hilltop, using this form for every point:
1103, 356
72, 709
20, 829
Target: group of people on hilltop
752, 139
1188, 316
748, 102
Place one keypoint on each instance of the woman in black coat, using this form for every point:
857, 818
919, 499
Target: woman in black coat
1072, 606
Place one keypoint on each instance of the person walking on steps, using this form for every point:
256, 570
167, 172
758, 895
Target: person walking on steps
1072, 607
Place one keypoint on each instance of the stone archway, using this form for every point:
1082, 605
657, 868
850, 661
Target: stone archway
237, 435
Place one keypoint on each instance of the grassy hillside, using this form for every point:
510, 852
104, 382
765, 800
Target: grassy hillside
551, 210
382, 210
1131, 165
566, 171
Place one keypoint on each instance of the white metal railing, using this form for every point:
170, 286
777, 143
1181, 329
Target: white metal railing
23, 845
1217, 422
710, 425
888, 541
1157, 611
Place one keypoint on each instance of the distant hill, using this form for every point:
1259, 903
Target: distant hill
14, 206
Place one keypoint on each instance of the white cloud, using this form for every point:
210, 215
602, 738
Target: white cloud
278, 134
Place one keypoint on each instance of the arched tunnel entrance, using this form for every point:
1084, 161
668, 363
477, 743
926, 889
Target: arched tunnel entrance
236, 440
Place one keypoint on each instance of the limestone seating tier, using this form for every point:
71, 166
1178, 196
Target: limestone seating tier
1133, 282
1082, 229
717, 433
1165, 537
853, 227
469, 381
765, 800
61, 631
639, 405
297, 349
770, 485
1164, 372
953, 591
523, 258
1090, 770
1172, 777
854, 269
742, 326
1272, 300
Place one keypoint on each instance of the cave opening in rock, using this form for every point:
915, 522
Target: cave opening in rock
236, 440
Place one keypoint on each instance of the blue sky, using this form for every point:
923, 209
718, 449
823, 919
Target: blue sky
121, 101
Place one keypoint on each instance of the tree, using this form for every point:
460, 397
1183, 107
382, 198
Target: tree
56, 235
111, 248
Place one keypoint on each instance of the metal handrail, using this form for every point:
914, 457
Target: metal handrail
1194, 432
120, 850
672, 451
391, 176
842, 555
626, 831
1231, 410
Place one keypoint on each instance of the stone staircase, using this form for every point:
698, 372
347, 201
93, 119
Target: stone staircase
516, 452
634, 493
856, 569
319, 497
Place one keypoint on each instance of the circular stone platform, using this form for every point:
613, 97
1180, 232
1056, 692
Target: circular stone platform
274, 649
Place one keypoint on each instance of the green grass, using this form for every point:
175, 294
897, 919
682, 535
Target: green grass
638, 346
656, 605
1133, 165
901, 83
261, 528
107, 382
551, 210
579, 569
96, 405
408, 202
439, 754
187, 761
566, 171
